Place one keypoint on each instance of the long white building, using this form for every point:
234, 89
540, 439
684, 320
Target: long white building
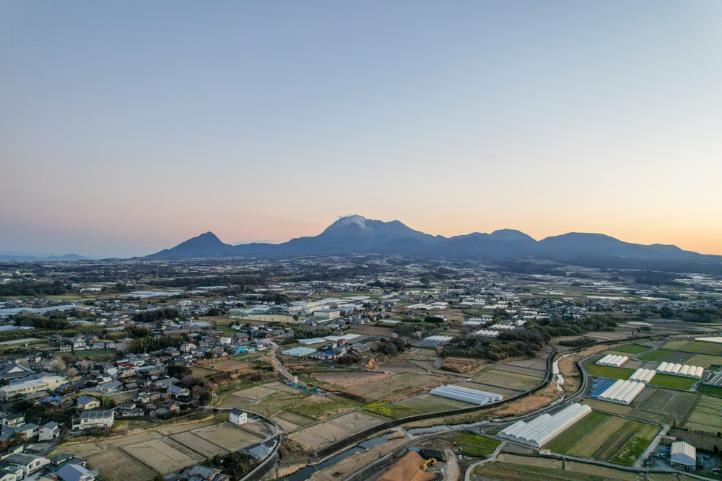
615, 360
622, 392
465, 394
545, 427
643, 375
684, 370
24, 387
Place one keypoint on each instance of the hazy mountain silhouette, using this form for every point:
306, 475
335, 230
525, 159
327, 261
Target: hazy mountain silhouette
356, 234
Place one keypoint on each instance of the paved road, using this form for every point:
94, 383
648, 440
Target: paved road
470, 469
278, 365
452, 466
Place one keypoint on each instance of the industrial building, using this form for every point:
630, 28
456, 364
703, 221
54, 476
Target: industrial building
545, 427
622, 392
486, 333
684, 455
615, 360
683, 370
465, 394
643, 375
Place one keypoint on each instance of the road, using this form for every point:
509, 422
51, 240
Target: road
278, 365
470, 469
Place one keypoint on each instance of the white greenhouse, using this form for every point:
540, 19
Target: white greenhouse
622, 392
643, 375
545, 427
466, 394
615, 360
683, 454
683, 370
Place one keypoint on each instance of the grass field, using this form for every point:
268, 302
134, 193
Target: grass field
608, 371
696, 347
319, 408
475, 445
523, 468
630, 348
605, 437
390, 410
672, 382
710, 390
706, 415
666, 355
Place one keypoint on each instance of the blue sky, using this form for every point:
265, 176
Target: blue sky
129, 126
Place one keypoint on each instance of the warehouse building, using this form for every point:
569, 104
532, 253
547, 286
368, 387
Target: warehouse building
643, 375
545, 427
465, 394
684, 370
622, 392
683, 455
615, 360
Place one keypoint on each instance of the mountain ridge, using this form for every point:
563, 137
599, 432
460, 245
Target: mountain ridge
357, 234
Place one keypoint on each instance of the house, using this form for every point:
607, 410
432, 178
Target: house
75, 472
85, 403
26, 431
109, 387
29, 463
10, 472
14, 370
48, 431
237, 417
11, 420
94, 420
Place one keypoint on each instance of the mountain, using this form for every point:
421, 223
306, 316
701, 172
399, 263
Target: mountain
9, 256
204, 245
357, 234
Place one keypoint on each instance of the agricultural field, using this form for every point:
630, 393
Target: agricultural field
695, 347
608, 371
673, 382
705, 360
706, 416
290, 408
629, 349
475, 445
316, 436
142, 456
605, 437
667, 405
507, 377
666, 355
710, 390
375, 386
522, 468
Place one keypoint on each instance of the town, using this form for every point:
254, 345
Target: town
366, 367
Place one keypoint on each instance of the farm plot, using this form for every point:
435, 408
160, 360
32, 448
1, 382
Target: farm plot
666, 355
706, 416
669, 405
630, 349
424, 403
605, 437
142, 456
322, 434
705, 360
198, 444
163, 456
696, 347
672, 382
608, 371
382, 386
227, 436
507, 379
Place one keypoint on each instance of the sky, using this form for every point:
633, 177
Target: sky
127, 127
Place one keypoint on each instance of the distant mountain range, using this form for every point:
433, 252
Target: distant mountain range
356, 234
9, 256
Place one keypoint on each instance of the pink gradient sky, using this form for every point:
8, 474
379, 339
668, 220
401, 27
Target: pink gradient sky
129, 127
